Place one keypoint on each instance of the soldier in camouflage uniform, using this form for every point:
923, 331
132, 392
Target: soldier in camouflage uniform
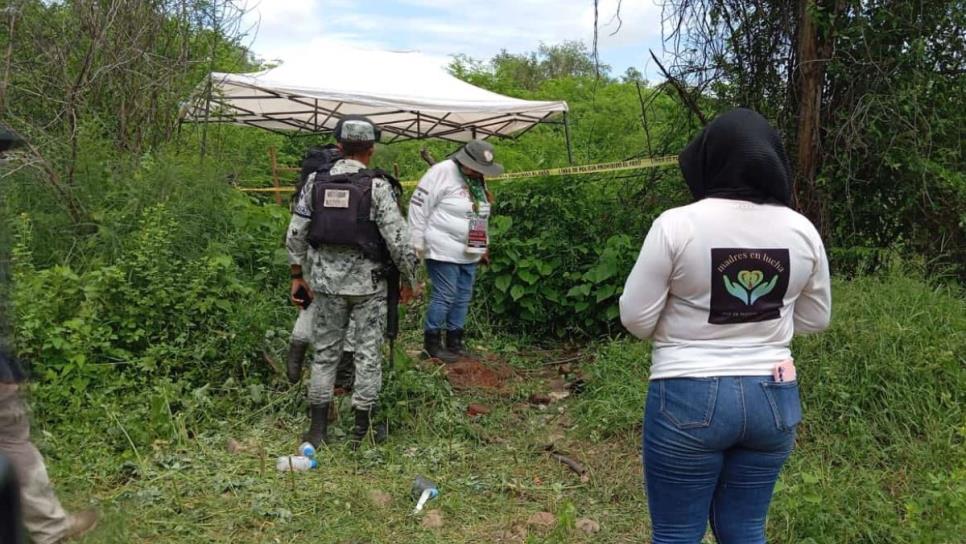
349, 282
317, 159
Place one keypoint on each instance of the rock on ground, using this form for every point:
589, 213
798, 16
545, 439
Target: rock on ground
542, 519
380, 498
433, 519
588, 525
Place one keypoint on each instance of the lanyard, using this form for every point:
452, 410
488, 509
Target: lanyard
477, 192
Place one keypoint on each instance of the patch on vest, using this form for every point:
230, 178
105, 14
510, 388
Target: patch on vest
747, 285
336, 198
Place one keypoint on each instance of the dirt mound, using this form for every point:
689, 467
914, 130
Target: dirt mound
474, 374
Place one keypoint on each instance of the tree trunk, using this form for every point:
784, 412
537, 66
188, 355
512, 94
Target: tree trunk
810, 76
814, 51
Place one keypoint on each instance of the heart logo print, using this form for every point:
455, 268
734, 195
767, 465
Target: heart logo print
750, 278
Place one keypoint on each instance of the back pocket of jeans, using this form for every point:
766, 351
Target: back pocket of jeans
689, 402
785, 403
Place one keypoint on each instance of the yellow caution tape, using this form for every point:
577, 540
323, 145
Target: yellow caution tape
636, 164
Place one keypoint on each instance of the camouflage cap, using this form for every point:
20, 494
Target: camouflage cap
356, 128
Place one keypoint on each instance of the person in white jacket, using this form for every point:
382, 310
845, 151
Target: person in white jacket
720, 287
448, 218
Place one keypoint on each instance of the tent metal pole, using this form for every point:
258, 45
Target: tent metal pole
570, 150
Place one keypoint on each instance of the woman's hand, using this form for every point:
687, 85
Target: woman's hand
486, 260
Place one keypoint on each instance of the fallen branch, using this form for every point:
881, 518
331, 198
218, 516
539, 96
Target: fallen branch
571, 463
272, 363
565, 360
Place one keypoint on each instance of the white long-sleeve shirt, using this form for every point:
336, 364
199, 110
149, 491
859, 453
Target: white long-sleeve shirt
722, 285
439, 215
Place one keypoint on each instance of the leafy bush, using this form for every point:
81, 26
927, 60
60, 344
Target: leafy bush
153, 315
562, 250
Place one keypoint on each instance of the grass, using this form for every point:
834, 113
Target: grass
492, 474
880, 456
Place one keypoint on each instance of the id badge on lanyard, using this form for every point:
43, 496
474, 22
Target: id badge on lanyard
476, 239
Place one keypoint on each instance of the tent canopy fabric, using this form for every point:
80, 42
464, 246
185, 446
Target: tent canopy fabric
407, 94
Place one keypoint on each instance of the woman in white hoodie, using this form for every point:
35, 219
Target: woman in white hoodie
448, 217
720, 287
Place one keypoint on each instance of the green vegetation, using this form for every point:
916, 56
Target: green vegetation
149, 296
879, 455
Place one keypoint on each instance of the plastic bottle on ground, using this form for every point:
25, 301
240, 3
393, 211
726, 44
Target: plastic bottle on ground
295, 463
307, 449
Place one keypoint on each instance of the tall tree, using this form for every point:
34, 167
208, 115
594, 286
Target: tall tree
864, 93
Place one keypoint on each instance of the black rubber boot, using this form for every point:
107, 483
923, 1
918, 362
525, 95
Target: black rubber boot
454, 343
363, 424
345, 373
318, 432
296, 354
433, 348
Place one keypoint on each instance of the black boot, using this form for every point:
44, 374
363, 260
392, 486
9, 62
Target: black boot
454, 343
363, 424
318, 432
296, 353
433, 348
345, 373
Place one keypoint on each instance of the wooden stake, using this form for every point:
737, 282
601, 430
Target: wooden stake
275, 180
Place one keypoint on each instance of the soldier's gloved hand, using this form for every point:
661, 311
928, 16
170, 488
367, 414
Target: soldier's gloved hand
300, 289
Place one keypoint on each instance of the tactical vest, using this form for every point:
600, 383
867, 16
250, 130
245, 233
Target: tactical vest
341, 214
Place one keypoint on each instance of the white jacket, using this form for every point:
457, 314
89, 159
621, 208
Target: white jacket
439, 215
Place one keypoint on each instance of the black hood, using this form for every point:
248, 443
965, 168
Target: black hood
740, 156
10, 369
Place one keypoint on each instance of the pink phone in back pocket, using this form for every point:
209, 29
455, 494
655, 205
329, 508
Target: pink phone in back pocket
784, 371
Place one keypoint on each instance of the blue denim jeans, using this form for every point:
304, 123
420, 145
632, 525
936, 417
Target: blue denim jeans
450, 298
713, 448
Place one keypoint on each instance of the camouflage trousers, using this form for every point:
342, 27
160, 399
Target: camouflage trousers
302, 332
332, 316
43, 517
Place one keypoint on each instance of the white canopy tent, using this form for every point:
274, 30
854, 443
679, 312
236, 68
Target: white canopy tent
407, 94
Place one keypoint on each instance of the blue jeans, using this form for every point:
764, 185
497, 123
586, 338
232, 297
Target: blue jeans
713, 448
449, 300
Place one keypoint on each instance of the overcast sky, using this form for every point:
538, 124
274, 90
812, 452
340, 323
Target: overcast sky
286, 29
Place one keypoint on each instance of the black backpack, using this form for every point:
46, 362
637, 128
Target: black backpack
317, 159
